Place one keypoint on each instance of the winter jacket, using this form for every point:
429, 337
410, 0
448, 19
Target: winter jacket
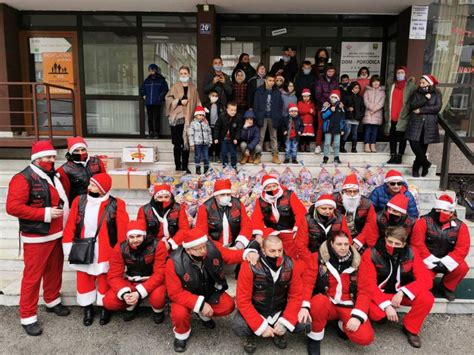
404, 116
333, 122
427, 119
357, 103
288, 98
199, 133
260, 106
154, 88
374, 100
248, 70
289, 69
250, 135
304, 81
208, 107
298, 126
225, 124
224, 90
381, 195
323, 88
252, 86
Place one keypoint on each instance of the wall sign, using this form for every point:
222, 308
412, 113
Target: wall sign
205, 28
280, 31
58, 69
419, 19
360, 54
48, 45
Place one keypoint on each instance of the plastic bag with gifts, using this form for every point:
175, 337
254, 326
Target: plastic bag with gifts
305, 176
379, 175
288, 179
260, 174
415, 192
324, 177
338, 180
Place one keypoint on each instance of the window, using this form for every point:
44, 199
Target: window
231, 51
362, 31
112, 116
109, 21
169, 21
49, 20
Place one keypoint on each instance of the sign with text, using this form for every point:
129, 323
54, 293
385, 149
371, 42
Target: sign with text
48, 45
419, 19
58, 70
205, 28
360, 54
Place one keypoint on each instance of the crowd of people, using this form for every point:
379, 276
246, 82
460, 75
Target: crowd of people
295, 107
348, 258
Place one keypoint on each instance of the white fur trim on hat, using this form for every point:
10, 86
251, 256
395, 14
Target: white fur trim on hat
135, 232
396, 208
77, 145
99, 186
220, 192
393, 178
428, 79
195, 242
199, 113
325, 202
44, 153
444, 205
350, 186
293, 109
162, 193
270, 181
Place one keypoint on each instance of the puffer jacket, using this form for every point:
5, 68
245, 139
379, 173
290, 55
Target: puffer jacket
199, 133
381, 195
288, 98
154, 88
333, 122
427, 119
374, 100
250, 135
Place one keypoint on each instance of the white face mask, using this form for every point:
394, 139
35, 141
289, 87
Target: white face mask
334, 100
213, 99
184, 79
224, 201
350, 203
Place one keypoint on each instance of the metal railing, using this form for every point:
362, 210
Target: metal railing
32, 93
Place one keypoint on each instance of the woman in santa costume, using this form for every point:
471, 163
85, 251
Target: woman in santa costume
87, 212
443, 242
37, 198
331, 293
317, 226
164, 217
137, 271
76, 172
276, 212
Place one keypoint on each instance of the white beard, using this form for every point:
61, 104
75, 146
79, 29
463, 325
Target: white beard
350, 203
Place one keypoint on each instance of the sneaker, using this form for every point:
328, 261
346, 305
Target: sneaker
294, 161
317, 150
286, 161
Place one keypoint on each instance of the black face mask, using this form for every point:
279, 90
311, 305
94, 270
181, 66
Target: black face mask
94, 194
270, 193
394, 220
197, 258
272, 262
323, 218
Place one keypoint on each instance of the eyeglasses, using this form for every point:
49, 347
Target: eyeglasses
397, 183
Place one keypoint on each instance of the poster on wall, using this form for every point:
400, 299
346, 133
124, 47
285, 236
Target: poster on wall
419, 18
360, 54
58, 70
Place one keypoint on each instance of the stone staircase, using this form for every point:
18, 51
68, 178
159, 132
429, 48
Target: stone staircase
11, 262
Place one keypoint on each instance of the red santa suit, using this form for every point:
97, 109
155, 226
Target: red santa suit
141, 270
278, 215
329, 295
89, 274
307, 111
31, 194
447, 242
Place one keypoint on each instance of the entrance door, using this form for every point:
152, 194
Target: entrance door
52, 57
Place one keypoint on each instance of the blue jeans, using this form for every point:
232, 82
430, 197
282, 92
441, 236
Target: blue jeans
291, 148
327, 143
351, 129
201, 152
370, 133
228, 147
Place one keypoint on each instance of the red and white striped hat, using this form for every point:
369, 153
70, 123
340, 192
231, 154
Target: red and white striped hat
445, 202
199, 111
393, 175
161, 190
269, 179
193, 238
223, 186
75, 142
41, 149
431, 79
350, 182
324, 200
103, 181
399, 203
136, 227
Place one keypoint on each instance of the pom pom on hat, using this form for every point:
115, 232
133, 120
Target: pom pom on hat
193, 238
445, 202
223, 186
325, 199
75, 142
103, 181
393, 175
399, 203
41, 149
136, 228
350, 182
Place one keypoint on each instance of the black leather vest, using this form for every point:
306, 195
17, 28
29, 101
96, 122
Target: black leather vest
214, 218
440, 242
360, 214
79, 176
287, 216
316, 233
406, 222
153, 224
139, 262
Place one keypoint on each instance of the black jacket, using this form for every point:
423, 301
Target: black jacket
224, 90
357, 103
248, 70
289, 70
224, 124
304, 81
251, 89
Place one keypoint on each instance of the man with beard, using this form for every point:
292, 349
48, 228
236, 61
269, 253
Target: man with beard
277, 212
331, 293
393, 215
443, 242
79, 168
268, 298
357, 209
37, 198
165, 218
394, 275
317, 226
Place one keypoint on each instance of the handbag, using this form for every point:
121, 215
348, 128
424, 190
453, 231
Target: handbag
82, 250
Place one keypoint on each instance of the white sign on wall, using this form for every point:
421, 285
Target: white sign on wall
49, 45
361, 54
419, 19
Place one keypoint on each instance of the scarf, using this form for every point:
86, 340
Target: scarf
273, 201
163, 220
340, 263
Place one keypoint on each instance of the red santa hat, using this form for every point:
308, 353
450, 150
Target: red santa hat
161, 190
351, 182
269, 179
336, 93
136, 227
431, 79
223, 186
399, 203
41, 149
445, 202
199, 111
194, 237
325, 199
393, 175
75, 142
292, 107
103, 181
306, 92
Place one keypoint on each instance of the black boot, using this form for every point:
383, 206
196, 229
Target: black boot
158, 318
448, 294
354, 147
336, 160
425, 168
130, 315
88, 315
393, 159
177, 158
340, 331
249, 344
185, 160
325, 160
286, 161
415, 170
280, 341
398, 159
209, 324
198, 169
294, 161
206, 169
33, 329
105, 316
314, 347
342, 148
179, 345
59, 310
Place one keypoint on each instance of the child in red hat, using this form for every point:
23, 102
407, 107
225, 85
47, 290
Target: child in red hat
293, 130
307, 111
334, 123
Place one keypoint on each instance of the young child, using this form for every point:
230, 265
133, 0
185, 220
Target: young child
249, 140
214, 109
293, 131
200, 138
333, 116
355, 110
226, 132
307, 112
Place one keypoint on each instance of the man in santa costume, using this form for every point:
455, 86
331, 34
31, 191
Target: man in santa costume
137, 271
276, 212
195, 282
443, 242
317, 226
85, 221
394, 184
269, 296
224, 217
76, 172
37, 198
394, 275
393, 215
164, 217
331, 293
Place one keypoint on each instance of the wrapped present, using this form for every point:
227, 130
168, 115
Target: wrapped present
130, 179
138, 154
110, 163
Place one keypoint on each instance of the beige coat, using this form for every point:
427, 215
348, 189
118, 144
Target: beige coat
374, 100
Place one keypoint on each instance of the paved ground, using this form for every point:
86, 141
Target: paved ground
443, 334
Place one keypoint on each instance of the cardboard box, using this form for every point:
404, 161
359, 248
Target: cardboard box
138, 154
171, 177
111, 163
125, 179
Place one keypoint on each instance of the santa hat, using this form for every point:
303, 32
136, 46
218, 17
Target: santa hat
269, 179
223, 186
136, 227
41, 149
305, 92
103, 181
393, 175
292, 107
75, 142
194, 237
445, 202
161, 190
430, 79
336, 93
325, 199
351, 182
199, 111
399, 203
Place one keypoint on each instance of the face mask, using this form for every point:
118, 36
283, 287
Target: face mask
79, 157
426, 88
217, 67
197, 258
214, 99
163, 204
46, 165
400, 77
272, 192
444, 217
334, 101
184, 79
94, 194
392, 219
325, 218
306, 71
344, 85
392, 250
364, 76
286, 58
322, 59
272, 261
224, 201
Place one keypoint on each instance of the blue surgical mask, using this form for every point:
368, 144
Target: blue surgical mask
217, 67
286, 58
400, 77
306, 71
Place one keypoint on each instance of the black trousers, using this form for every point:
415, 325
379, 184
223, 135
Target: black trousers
181, 156
215, 149
153, 113
397, 138
419, 149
